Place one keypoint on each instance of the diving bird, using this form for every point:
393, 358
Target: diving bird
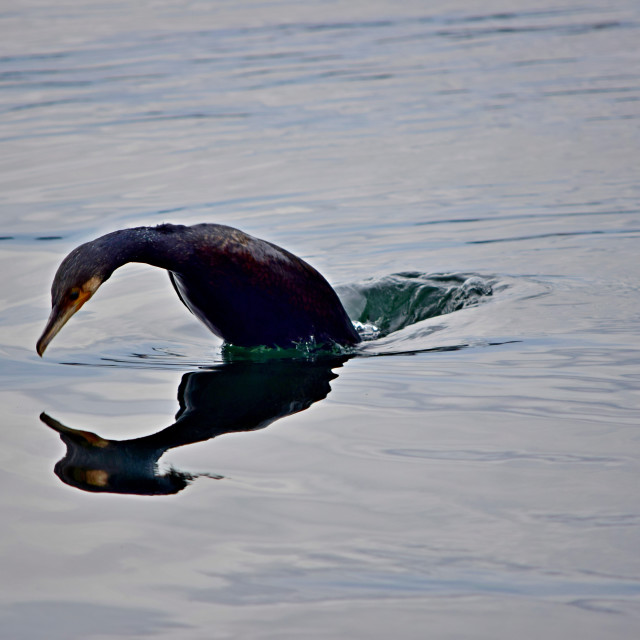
248, 291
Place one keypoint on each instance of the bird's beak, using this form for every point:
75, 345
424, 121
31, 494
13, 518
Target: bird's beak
58, 318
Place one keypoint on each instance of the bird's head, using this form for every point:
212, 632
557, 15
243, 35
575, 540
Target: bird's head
77, 279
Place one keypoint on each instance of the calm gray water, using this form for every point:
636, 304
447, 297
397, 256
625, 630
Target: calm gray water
474, 474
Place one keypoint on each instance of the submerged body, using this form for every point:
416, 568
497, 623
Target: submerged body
246, 290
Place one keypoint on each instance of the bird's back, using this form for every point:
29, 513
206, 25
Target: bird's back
252, 292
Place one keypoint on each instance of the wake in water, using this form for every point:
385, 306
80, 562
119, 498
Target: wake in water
384, 305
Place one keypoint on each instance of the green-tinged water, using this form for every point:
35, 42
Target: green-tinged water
466, 176
394, 302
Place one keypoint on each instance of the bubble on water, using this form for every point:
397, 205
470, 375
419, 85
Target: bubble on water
366, 331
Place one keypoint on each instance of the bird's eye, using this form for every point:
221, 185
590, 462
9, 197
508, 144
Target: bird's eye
74, 294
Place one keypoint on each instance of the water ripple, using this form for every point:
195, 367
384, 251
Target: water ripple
470, 455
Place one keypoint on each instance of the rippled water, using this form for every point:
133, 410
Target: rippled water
472, 474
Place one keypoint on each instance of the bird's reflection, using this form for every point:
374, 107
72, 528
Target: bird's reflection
237, 396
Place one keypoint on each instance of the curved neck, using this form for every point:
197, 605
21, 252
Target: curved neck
157, 246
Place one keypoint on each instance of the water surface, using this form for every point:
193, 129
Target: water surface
467, 474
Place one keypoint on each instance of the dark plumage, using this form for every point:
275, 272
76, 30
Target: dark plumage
246, 290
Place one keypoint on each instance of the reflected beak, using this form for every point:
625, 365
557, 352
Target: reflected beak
57, 320
86, 438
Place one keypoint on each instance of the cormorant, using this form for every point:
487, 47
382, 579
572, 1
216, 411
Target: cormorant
248, 291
